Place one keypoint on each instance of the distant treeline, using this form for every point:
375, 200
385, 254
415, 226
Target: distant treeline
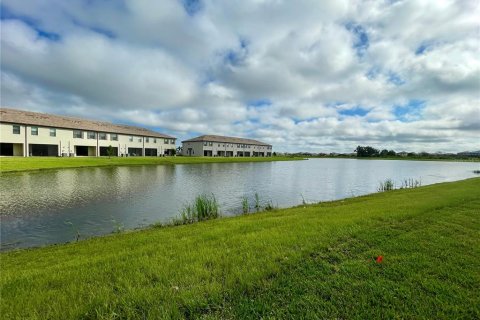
368, 151
371, 152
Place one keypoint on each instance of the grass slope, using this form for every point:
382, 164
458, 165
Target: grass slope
305, 262
39, 163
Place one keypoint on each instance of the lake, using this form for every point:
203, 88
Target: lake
53, 206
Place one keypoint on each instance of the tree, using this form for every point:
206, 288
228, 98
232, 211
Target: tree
366, 151
110, 151
384, 153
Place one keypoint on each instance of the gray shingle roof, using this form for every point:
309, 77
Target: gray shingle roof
49, 120
223, 139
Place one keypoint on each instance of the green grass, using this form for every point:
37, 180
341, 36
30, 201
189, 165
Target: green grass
11, 164
311, 261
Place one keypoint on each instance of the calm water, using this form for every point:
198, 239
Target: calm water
46, 207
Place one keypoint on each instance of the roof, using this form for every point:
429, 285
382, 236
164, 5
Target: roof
50, 120
223, 139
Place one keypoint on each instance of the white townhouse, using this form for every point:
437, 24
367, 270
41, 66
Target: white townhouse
221, 146
24, 133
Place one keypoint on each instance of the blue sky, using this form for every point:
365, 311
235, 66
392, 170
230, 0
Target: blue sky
319, 76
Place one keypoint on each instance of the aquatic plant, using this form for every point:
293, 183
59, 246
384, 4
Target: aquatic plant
304, 203
389, 184
245, 206
257, 202
75, 229
270, 206
386, 185
204, 207
410, 183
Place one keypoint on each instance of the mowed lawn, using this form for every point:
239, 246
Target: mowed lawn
307, 262
10, 164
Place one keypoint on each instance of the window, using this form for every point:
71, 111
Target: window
147, 139
91, 135
154, 140
172, 141
53, 132
165, 141
205, 143
139, 139
238, 146
78, 134
16, 129
130, 139
113, 136
34, 131
102, 136
210, 144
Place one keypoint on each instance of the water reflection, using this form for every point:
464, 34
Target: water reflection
52, 206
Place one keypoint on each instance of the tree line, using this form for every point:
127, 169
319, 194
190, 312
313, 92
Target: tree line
368, 151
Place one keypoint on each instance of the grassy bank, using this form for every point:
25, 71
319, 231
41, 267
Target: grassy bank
315, 261
39, 163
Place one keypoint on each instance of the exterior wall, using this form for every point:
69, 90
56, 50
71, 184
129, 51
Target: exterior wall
66, 141
7, 136
198, 148
18, 150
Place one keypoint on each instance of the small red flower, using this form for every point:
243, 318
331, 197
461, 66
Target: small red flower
379, 259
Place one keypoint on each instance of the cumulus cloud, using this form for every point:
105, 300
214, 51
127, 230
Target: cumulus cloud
315, 76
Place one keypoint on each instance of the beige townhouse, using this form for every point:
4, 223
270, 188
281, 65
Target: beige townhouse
24, 133
221, 146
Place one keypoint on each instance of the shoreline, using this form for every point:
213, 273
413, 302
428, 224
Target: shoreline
9, 165
20, 164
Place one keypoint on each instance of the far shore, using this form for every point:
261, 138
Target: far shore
394, 158
19, 164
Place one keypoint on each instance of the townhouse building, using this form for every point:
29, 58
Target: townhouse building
221, 146
24, 133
